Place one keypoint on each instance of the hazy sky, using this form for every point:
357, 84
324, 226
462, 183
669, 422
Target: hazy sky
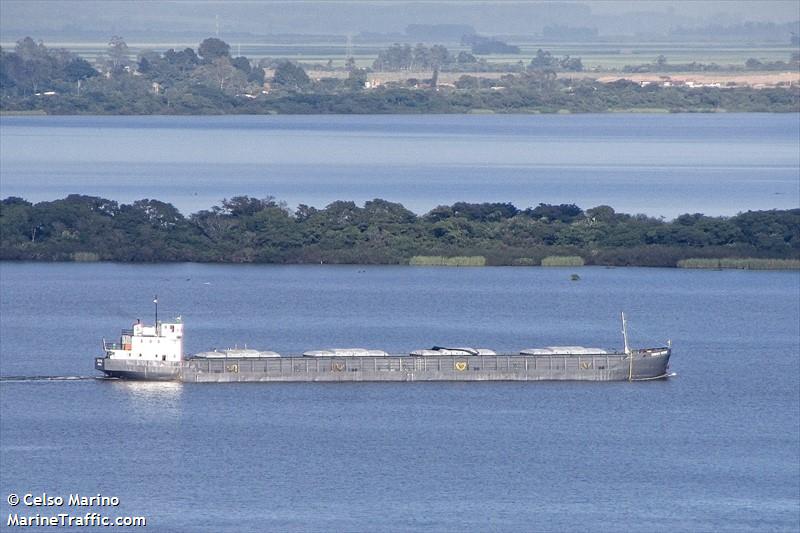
41, 18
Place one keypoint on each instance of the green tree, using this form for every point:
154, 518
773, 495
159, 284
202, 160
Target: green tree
562, 213
465, 58
242, 63
29, 50
380, 211
290, 76
117, 53
396, 57
421, 56
601, 213
571, 64
356, 80
79, 69
543, 60
213, 48
440, 56
221, 75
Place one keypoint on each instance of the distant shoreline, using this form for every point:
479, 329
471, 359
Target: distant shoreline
401, 80
651, 111
474, 112
406, 112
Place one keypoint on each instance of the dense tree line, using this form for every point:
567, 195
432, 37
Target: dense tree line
34, 78
662, 65
245, 229
488, 45
544, 60
32, 68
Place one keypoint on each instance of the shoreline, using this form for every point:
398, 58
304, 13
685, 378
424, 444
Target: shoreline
793, 267
471, 112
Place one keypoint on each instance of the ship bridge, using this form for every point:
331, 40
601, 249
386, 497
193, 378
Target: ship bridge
162, 341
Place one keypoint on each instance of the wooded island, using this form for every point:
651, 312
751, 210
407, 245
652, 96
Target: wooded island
251, 230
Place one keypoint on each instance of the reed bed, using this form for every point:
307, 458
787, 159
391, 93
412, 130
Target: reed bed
563, 261
744, 263
85, 257
440, 260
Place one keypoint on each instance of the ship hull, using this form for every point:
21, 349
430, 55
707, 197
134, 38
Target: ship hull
139, 370
640, 365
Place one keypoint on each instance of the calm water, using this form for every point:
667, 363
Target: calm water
654, 164
714, 449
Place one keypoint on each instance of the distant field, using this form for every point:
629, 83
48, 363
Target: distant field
615, 57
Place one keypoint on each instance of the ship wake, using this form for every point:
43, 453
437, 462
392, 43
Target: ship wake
23, 379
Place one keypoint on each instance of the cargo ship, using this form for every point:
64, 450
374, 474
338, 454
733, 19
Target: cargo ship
155, 353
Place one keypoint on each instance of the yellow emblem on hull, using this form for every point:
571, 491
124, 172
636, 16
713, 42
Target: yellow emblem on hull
461, 366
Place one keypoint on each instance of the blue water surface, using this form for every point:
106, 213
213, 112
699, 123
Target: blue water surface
714, 448
660, 165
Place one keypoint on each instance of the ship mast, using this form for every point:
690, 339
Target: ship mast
155, 301
626, 347
625, 335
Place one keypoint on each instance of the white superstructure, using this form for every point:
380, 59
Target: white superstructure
161, 342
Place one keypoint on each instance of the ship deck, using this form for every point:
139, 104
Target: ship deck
599, 367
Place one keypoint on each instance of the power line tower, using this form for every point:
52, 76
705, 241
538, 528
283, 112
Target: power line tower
349, 51
349, 62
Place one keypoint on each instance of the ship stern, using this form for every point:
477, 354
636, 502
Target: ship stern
138, 370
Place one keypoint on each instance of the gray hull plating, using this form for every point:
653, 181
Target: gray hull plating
639, 365
139, 370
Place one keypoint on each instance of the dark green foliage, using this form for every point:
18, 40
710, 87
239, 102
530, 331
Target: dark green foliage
488, 45
242, 63
482, 212
291, 76
543, 60
245, 229
397, 57
356, 80
79, 69
562, 213
213, 48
